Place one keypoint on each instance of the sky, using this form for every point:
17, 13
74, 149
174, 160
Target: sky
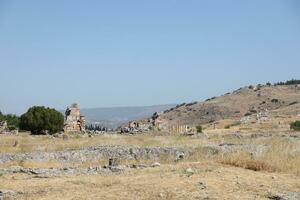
106, 53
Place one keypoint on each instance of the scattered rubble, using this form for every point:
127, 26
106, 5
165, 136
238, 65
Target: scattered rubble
156, 164
287, 196
5, 130
130, 153
9, 194
99, 152
189, 172
52, 172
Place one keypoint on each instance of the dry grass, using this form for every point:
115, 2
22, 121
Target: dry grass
28, 143
166, 183
243, 160
283, 155
225, 176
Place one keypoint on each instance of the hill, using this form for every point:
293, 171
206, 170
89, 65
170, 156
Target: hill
246, 101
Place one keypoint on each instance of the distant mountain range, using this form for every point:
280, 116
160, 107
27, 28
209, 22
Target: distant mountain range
117, 116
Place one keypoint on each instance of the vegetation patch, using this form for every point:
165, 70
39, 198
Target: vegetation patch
199, 129
41, 120
237, 123
295, 125
255, 165
289, 82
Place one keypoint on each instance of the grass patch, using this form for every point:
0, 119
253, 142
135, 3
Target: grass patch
243, 160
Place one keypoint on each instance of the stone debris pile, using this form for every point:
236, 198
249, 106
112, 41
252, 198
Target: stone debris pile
5, 130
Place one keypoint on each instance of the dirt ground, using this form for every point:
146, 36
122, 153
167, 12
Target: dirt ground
273, 174
206, 181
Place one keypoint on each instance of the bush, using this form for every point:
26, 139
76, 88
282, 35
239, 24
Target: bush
248, 114
41, 120
295, 126
227, 127
237, 123
199, 129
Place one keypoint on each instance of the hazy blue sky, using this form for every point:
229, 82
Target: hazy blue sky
126, 53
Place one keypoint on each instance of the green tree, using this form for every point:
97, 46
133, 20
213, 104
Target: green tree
39, 119
199, 129
295, 125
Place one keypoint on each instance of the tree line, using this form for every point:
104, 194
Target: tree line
289, 82
95, 127
37, 120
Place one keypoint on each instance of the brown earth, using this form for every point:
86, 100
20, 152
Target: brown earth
277, 100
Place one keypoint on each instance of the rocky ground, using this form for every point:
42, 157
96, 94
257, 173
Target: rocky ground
228, 166
181, 181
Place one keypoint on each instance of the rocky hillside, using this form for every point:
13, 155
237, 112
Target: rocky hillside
245, 101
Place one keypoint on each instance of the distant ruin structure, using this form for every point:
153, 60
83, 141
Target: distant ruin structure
74, 122
3, 127
182, 129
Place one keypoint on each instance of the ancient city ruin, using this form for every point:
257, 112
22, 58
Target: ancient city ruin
74, 122
182, 129
157, 123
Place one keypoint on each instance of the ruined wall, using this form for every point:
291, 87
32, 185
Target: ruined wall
3, 127
74, 122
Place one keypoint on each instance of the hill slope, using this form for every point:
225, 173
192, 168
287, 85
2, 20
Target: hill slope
242, 102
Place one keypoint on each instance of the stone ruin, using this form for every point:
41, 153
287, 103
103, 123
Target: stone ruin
182, 129
153, 123
159, 124
133, 127
3, 127
74, 122
260, 117
5, 130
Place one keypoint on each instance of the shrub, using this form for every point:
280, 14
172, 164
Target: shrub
295, 125
199, 129
237, 123
180, 105
190, 104
227, 127
40, 120
247, 114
